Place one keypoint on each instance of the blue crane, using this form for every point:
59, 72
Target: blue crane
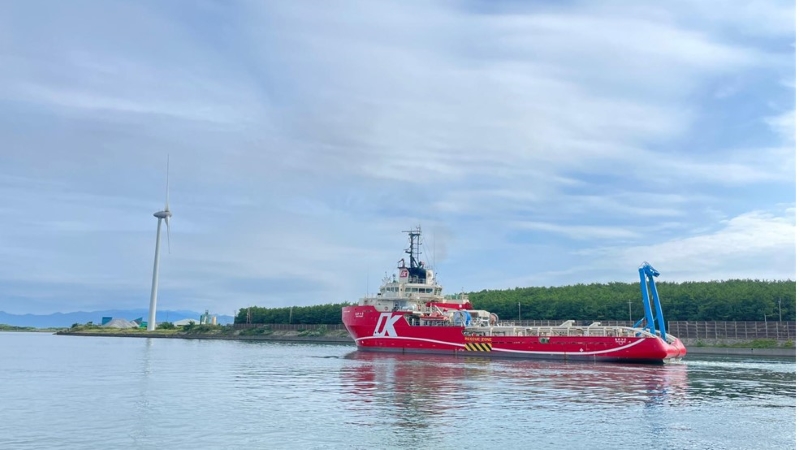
647, 279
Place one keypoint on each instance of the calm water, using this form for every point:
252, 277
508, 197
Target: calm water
100, 393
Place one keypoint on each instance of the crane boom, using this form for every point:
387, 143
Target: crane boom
652, 303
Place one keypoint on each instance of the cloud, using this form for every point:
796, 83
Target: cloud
784, 125
754, 245
757, 244
754, 18
580, 231
548, 139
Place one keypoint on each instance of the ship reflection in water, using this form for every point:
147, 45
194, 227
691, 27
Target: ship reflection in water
421, 392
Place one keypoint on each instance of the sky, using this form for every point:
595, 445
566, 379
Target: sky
536, 143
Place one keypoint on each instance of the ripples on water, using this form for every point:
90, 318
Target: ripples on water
76, 392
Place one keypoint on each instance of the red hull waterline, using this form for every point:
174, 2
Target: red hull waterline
373, 330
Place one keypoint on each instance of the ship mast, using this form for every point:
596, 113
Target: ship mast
416, 269
413, 249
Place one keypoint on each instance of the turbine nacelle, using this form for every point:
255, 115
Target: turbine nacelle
163, 214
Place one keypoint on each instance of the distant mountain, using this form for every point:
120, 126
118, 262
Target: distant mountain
64, 320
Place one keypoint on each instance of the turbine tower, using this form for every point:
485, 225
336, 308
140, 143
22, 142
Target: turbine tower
165, 215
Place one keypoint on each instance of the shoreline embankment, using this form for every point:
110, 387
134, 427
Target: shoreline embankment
220, 337
346, 340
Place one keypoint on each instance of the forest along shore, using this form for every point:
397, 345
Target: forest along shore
344, 339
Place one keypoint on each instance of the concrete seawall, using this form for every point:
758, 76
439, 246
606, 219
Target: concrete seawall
735, 351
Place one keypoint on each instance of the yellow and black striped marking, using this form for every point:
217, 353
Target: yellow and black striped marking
478, 346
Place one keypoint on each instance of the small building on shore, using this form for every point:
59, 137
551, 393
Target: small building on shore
183, 322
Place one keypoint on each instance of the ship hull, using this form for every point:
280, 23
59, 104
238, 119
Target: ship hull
378, 331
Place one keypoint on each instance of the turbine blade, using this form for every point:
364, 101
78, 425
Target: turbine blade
169, 245
166, 205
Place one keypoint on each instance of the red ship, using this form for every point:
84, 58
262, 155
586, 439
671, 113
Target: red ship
410, 315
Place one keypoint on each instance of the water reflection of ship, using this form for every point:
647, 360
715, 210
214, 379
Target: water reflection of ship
418, 387
415, 393
596, 383
421, 389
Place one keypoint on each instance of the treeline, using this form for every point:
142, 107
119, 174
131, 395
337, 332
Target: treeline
4, 327
739, 300
317, 314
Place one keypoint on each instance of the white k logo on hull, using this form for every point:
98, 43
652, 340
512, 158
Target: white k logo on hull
385, 325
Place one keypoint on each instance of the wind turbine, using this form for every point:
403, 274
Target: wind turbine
165, 215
